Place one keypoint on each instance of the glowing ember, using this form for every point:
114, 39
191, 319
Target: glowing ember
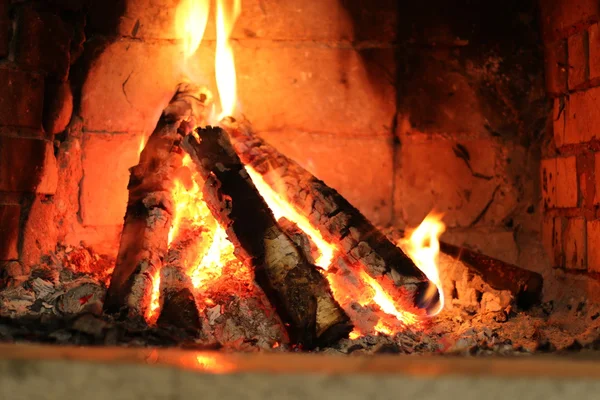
281, 208
219, 252
228, 12
151, 313
191, 18
384, 301
423, 247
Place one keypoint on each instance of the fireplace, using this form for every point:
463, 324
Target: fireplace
274, 175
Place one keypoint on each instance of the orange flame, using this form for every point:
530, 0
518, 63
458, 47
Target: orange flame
281, 208
228, 12
191, 17
423, 247
151, 313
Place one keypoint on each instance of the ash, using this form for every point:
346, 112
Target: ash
60, 301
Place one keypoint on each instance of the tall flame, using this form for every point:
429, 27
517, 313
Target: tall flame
228, 12
191, 18
423, 247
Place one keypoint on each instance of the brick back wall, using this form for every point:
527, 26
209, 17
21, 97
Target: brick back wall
402, 110
38, 45
571, 166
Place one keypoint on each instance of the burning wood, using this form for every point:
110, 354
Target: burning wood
352, 229
296, 289
360, 243
150, 208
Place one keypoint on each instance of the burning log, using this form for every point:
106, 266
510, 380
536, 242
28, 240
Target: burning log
178, 304
299, 293
144, 239
524, 285
338, 221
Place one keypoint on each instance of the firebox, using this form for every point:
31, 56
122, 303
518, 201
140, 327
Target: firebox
342, 176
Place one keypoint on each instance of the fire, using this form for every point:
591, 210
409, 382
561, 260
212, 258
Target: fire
191, 18
354, 289
281, 208
423, 247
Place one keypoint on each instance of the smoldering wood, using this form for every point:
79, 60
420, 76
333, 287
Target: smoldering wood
320, 202
178, 304
148, 217
525, 285
338, 221
295, 288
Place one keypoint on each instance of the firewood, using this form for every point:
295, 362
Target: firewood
295, 288
525, 285
144, 239
177, 301
339, 222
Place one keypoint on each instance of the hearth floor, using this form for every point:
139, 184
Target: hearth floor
55, 372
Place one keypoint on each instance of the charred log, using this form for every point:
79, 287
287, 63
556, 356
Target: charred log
299, 293
144, 239
178, 304
525, 286
337, 220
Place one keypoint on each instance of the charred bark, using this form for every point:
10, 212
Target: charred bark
299, 293
525, 286
339, 222
144, 239
178, 304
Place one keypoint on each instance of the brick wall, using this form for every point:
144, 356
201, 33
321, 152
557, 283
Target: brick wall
37, 47
571, 166
399, 117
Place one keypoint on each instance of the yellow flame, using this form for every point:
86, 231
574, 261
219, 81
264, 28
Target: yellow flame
281, 208
423, 247
190, 19
228, 12
219, 252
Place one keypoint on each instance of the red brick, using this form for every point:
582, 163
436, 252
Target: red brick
5, 27
578, 59
593, 245
587, 180
9, 231
106, 162
597, 177
561, 18
128, 86
21, 99
44, 42
552, 239
566, 182
360, 168
575, 244
594, 51
558, 120
556, 63
548, 179
582, 116
27, 165
430, 175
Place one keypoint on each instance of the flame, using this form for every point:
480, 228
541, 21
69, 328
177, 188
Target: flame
366, 292
281, 208
151, 313
385, 302
228, 12
423, 247
190, 19
219, 252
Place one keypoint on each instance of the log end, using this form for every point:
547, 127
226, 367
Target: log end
179, 310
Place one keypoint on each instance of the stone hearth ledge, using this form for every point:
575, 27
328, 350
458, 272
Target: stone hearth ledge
52, 372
